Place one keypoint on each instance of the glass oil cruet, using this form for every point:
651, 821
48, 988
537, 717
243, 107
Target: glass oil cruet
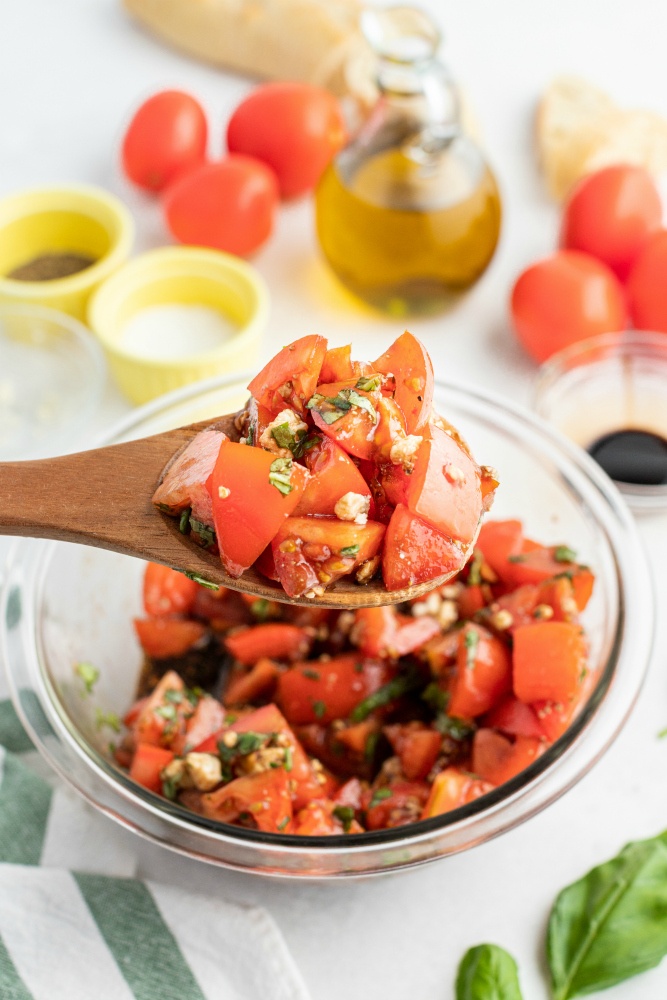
408, 213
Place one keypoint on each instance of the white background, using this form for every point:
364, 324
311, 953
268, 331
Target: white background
70, 73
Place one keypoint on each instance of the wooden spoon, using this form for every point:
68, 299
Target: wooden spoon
103, 498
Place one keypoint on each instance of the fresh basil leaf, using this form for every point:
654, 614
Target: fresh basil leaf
283, 436
612, 923
369, 383
487, 972
384, 695
280, 474
562, 553
362, 402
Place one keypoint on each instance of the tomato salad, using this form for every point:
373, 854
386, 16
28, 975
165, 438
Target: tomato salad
341, 468
304, 720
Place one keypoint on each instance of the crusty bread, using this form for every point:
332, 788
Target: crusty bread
308, 40
580, 129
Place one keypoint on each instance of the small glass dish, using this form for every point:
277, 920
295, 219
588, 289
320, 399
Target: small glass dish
62, 604
52, 374
616, 382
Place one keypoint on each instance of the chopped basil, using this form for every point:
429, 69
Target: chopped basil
170, 788
662, 734
251, 435
250, 742
379, 795
312, 675
562, 553
456, 729
333, 408
174, 696
475, 571
319, 709
346, 815
260, 609
370, 746
517, 559
280, 474
206, 534
88, 674
166, 712
471, 642
349, 550
435, 697
358, 668
384, 696
202, 581
283, 823
184, 523
194, 695
289, 758
283, 436
298, 444
369, 383
109, 719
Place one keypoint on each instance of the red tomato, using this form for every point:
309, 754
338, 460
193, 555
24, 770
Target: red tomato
348, 415
647, 293
166, 137
333, 474
229, 205
414, 551
263, 797
314, 551
295, 128
164, 637
408, 361
497, 759
611, 214
563, 299
167, 592
248, 509
289, 379
483, 673
549, 660
321, 691
147, 765
451, 789
279, 640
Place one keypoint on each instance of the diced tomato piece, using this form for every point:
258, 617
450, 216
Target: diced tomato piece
147, 764
248, 509
348, 415
290, 378
389, 431
582, 585
247, 686
536, 563
451, 789
440, 653
316, 551
415, 551
497, 759
483, 673
321, 691
350, 794
164, 715
163, 637
206, 719
417, 747
444, 487
262, 799
471, 600
408, 361
319, 819
134, 712
337, 365
279, 640
403, 804
514, 718
549, 661
554, 717
167, 592
189, 470
355, 737
265, 564
499, 541
333, 474
381, 632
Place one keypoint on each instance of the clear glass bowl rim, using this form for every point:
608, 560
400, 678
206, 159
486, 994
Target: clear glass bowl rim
512, 803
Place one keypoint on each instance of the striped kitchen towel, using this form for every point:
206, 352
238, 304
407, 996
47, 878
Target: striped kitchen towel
71, 931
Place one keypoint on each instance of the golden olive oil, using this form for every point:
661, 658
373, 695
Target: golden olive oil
409, 237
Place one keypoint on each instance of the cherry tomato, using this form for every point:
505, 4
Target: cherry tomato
611, 214
647, 294
565, 298
229, 205
295, 128
166, 136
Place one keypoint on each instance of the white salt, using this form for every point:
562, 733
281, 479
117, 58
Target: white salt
174, 331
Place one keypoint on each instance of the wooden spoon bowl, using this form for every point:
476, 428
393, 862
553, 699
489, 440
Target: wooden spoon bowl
103, 498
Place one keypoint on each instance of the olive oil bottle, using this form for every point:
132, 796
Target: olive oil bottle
408, 214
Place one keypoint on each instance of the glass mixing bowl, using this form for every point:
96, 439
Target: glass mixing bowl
62, 604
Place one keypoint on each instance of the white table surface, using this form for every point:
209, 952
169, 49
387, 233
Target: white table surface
70, 72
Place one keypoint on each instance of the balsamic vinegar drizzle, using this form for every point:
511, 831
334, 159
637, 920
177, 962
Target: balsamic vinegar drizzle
632, 456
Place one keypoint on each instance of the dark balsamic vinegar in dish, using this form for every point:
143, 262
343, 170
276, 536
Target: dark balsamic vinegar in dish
632, 456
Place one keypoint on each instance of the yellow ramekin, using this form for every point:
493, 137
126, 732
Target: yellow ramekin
179, 276
70, 219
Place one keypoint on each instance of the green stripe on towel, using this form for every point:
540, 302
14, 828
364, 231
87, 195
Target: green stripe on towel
25, 800
144, 948
12, 986
12, 734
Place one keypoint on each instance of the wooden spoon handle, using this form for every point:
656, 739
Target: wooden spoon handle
87, 495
